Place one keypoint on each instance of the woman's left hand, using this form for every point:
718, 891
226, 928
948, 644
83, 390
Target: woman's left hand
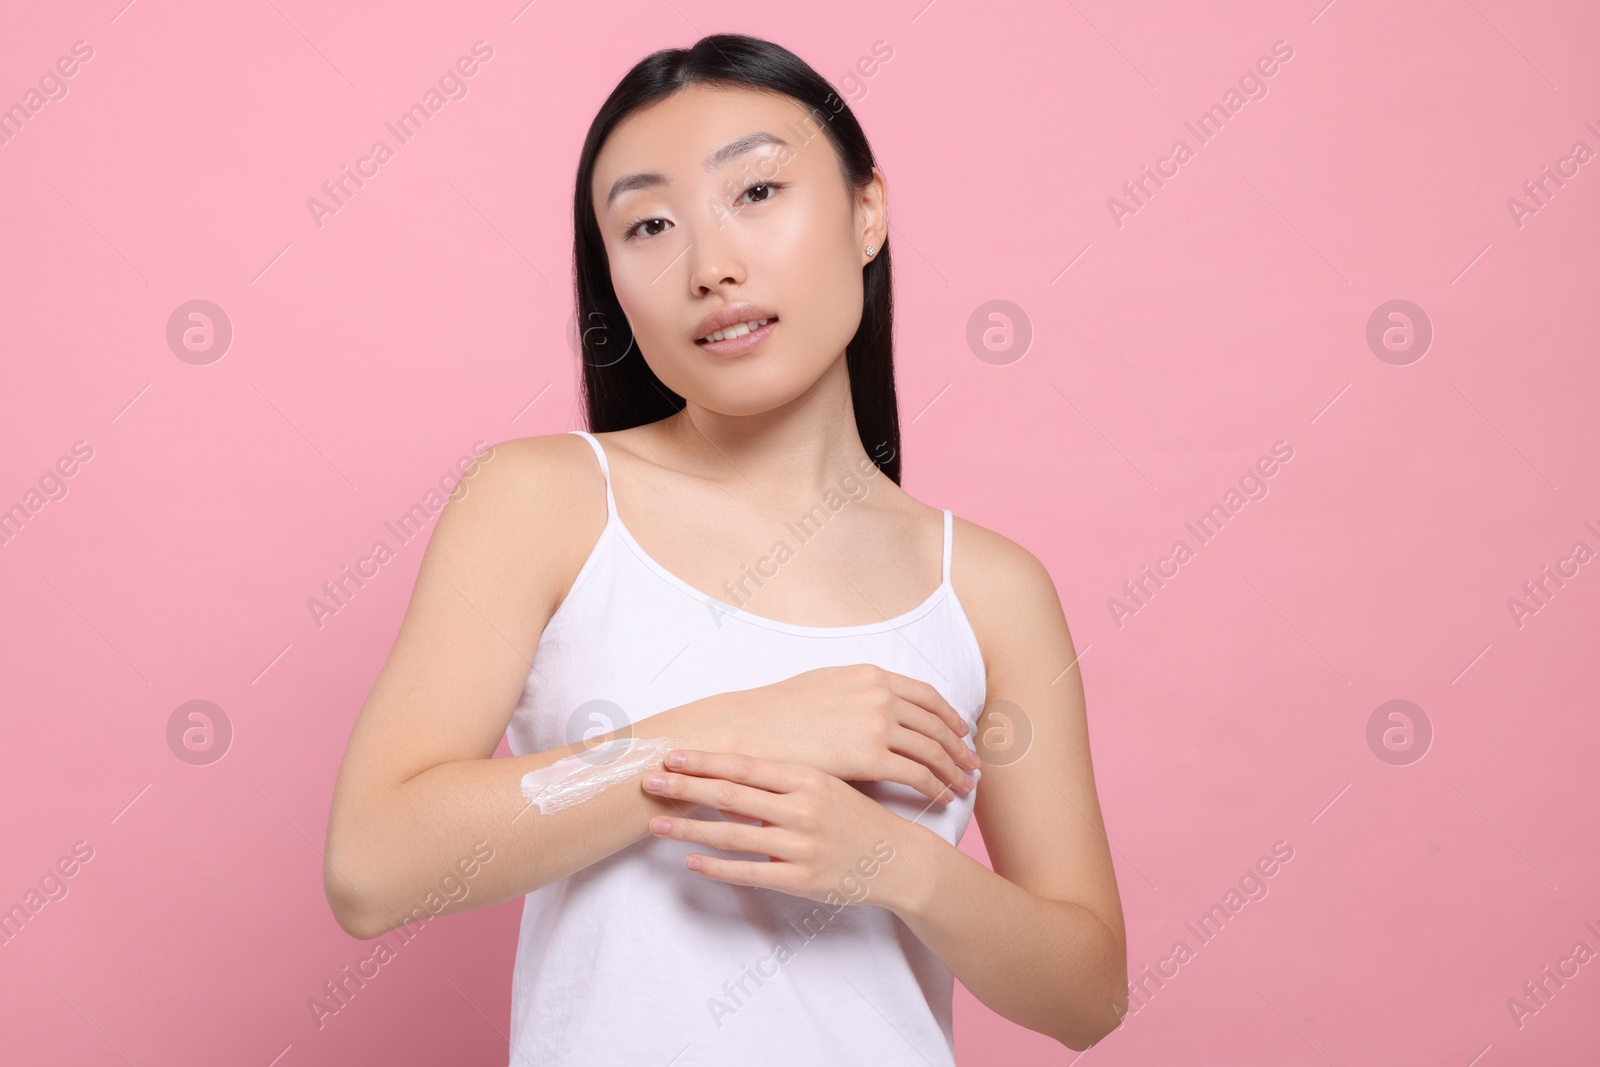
825, 837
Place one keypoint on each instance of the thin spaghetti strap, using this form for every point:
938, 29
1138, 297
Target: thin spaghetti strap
949, 530
605, 471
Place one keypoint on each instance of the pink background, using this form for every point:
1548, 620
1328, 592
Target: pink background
1228, 313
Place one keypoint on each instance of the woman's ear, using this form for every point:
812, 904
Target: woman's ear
872, 211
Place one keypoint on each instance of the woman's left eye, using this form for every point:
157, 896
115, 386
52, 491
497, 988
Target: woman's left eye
774, 186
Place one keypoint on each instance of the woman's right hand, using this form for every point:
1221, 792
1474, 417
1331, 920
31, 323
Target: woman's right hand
858, 722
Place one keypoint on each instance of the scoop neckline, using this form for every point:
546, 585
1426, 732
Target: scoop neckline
883, 625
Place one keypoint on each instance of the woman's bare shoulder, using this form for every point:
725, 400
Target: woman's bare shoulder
1004, 588
992, 564
543, 473
536, 504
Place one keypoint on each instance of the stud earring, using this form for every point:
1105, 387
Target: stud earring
869, 250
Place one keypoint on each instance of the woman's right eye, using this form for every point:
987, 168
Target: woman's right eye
629, 234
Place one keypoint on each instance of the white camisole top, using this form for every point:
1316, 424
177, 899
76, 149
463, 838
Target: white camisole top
636, 959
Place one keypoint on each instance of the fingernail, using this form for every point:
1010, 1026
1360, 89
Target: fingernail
654, 782
676, 759
660, 825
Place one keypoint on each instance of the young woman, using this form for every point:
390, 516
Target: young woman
728, 570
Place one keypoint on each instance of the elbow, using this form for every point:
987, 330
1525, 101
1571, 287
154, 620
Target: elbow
351, 907
352, 921
1084, 1034
1107, 1010
353, 885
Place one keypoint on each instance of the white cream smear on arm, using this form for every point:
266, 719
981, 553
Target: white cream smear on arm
574, 779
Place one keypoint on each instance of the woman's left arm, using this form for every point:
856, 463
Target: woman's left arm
1039, 939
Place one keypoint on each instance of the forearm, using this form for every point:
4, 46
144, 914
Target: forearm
385, 864
1049, 965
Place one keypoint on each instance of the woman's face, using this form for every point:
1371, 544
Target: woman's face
770, 221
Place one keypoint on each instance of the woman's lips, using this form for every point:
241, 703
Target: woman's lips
738, 346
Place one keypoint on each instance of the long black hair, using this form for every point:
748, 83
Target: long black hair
620, 389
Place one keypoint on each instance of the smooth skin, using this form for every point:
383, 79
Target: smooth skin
1039, 938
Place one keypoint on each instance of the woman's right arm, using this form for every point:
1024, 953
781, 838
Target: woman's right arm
419, 792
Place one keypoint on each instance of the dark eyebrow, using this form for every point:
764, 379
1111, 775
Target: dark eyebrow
732, 150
